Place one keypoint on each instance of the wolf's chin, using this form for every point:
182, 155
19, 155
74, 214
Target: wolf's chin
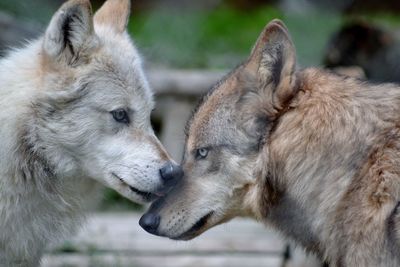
196, 229
145, 196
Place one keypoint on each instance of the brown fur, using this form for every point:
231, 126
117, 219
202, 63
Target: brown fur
116, 13
311, 153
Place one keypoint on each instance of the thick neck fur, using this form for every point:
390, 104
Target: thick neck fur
33, 166
35, 162
319, 146
29, 177
17, 95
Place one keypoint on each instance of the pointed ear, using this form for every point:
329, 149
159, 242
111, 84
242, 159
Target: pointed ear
70, 34
114, 13
273, 62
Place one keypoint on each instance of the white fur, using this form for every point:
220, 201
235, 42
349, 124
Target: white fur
56, 96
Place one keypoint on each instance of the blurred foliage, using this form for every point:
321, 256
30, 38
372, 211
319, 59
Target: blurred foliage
311, 34
38, 10
66, 247
115, 202
247, 5
221, 37
203, 39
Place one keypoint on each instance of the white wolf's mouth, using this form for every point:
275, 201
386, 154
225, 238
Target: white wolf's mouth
147, 196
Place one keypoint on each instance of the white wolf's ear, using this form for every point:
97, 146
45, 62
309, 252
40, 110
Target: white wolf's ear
273, 61
114, 13
70, 34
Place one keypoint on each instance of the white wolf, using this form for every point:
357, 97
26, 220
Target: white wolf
75, 108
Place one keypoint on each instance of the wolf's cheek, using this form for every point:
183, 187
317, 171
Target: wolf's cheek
131, 168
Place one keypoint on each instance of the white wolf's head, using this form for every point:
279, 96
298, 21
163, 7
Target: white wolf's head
92, 116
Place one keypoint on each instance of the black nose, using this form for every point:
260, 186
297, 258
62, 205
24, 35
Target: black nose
171, 173
150, 222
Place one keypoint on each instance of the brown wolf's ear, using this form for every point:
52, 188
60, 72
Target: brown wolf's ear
70, 33
114, 13
273, 62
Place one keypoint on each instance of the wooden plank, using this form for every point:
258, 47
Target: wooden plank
116, 232
182, 82
174, 120
115, 260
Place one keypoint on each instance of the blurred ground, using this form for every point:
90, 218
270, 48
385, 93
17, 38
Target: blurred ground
115, 239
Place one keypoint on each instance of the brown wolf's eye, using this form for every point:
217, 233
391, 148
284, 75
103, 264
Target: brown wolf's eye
201, 153
120, 115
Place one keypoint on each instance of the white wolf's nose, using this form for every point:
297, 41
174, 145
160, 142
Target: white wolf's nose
171, 173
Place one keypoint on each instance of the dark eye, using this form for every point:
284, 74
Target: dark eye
120, 115
201, 153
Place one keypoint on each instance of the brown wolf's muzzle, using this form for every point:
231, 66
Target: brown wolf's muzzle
171, 174
151, 219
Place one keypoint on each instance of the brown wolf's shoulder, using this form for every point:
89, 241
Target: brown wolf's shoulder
368, 211
324, 87
314, 78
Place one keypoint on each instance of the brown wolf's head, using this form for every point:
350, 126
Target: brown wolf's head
227, 142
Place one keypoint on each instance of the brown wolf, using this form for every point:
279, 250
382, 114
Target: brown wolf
311, 153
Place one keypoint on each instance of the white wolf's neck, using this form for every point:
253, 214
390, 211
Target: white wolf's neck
19, 81
20, 73
21, 201
21, 86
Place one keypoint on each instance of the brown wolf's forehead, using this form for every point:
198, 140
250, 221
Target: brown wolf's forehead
214, 112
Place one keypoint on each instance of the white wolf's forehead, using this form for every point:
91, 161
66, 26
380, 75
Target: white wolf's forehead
120, 61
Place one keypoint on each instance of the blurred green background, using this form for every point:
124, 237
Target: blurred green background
217, 34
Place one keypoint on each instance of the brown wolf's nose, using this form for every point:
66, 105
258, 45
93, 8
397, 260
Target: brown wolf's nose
150, 222
171, 173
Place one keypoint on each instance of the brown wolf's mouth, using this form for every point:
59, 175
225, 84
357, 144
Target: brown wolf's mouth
148, 196
193, 231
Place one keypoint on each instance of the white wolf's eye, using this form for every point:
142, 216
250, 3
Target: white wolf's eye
201, 153
120, 115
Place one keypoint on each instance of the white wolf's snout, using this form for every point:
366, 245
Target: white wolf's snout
148, 182
138, 168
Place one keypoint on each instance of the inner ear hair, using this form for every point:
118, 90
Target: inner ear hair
253, 99
273, 60
70, 36
254, 113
